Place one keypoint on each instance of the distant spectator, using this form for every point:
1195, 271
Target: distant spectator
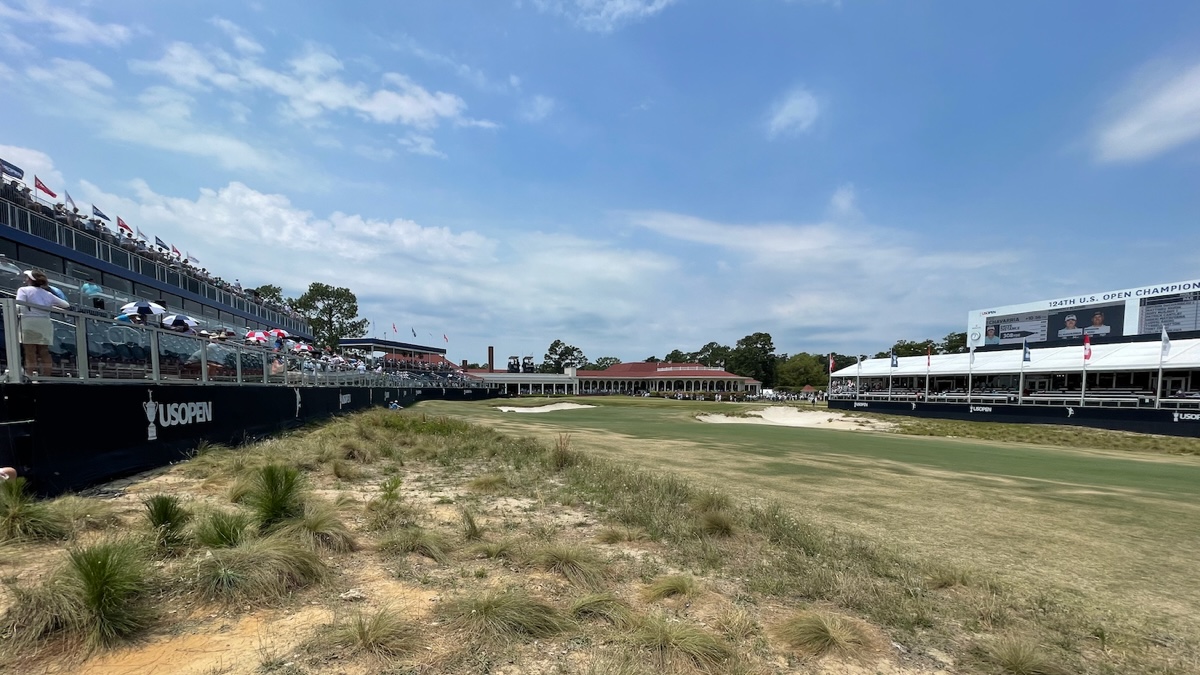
37, 331
93, 291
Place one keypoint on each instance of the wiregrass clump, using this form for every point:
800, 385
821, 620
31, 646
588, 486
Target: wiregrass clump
617, 535
668, 640
99, 597
222, 529
580, 566
85, 514
417, 540
168, 518
503, 615
383, 634
1014, 655
603, 607
471, 529
262, 571
669, 587
24, 518
814, 633
320, 529
275, 494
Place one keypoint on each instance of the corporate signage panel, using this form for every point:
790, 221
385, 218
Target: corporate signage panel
1133, 311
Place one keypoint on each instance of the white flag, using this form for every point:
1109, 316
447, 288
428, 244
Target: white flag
1166, 343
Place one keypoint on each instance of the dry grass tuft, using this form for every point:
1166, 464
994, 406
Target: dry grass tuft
320, 529
503, 615
261, 571
1020, 656
222, 529
668, 587
617, 535
815, 633
470, 527
489, 483
603, 607
716, 523
85, 514
417, 540
384, 634
24, 518
581, 566
668, 640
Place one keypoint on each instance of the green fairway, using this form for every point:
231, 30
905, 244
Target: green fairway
1122, 529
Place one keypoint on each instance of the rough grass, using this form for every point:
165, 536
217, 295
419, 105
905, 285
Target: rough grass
605, 607
1013, 655
24, 518
669, 587
814, 633
261, 571
320, 529
502, 615
222, 529
670, 640
275, 494
167, 518
502, 549
618, 535
413, 539
84, 514
717, 523
99, 597
471, 529
382, 634
489, 483
581, 566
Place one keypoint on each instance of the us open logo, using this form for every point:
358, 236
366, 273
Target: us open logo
174, 414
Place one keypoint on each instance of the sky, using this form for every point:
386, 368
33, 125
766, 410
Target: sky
630, 176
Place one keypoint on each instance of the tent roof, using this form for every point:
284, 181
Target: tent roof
1127, 356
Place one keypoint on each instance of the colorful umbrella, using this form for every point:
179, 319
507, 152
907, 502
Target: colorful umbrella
177, 320
143, 307
258, 336
302, 347
277, 332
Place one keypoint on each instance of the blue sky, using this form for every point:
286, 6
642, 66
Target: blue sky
631, 176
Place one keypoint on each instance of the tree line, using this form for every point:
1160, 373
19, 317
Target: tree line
331, 311
754, 356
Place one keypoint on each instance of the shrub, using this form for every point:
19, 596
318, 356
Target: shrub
276, 494
320, 529
818, 633
666, 640
417, 540
499, 615
579, 565
168, 518
561, 456
24, 518
605, 607
383, 634
667, 587
262, 570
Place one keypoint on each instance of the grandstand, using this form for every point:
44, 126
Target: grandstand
1135, 366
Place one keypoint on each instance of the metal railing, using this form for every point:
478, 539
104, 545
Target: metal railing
90, 349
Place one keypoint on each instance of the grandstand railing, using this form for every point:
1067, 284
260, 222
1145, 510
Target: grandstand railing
108, 249
1092, 397
92, 349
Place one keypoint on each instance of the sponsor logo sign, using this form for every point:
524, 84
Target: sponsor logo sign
860, 404
174, 414
981, 408
1186, 417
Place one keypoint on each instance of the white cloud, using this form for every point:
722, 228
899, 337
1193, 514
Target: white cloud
421, 145
34, 162
603, 16
538, 108
475, 76
843, 205
793, 114
1157, 113
66, 25
76, 78
311, 85
241, 39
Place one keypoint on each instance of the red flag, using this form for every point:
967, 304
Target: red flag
121, 224
1087, 348
831, 364
176, 251
394, 327
445, 338
37, 183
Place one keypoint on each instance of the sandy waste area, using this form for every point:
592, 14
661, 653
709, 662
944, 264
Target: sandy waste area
544, 408
787, 416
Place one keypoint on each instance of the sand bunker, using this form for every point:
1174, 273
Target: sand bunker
786, 416
544, 408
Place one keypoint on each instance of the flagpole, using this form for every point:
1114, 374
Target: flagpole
1021, 379
970, 374
928, 363
858, 378
1083, 385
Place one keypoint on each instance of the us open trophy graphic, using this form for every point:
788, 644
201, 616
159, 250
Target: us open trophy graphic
151, 408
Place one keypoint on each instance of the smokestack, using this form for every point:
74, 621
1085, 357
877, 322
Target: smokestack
464, 364
491, 358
